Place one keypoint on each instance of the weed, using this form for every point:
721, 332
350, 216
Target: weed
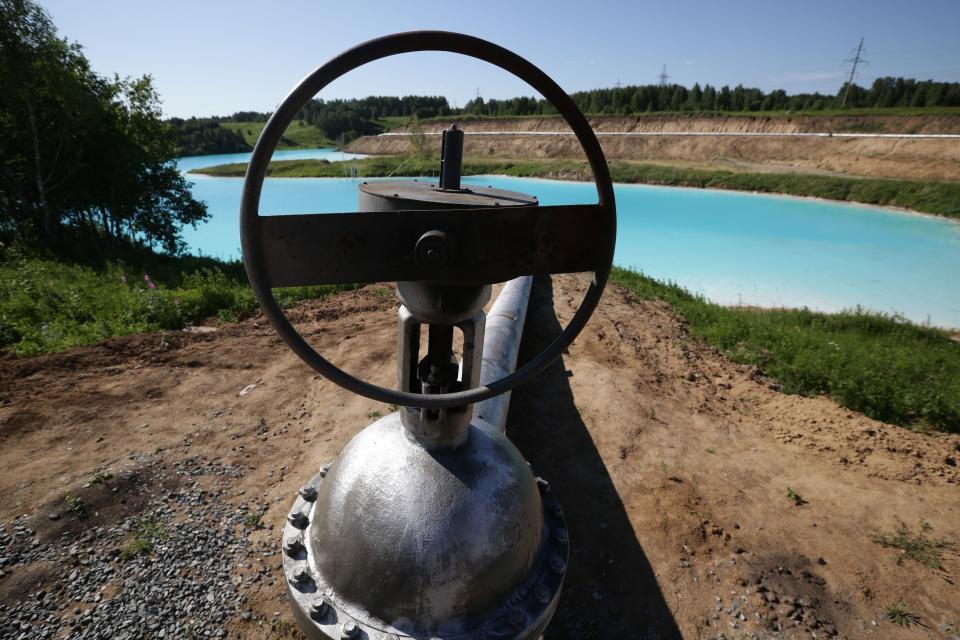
711, 450
916, 546
393, 408
897, 613
149, 531
75, 506
253, 521
795, 497
99, 477
373, 414
663, 467
282, 627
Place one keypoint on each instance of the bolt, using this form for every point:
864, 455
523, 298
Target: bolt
543, 594
558, 564
560, 535
301, 575
293, 545
308, 493
349, 629
323, 470
517, 618
298, 519
319, 606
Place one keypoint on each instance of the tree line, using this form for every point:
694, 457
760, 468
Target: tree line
339, 120
344, 120
203, 136
636, 99
81, 155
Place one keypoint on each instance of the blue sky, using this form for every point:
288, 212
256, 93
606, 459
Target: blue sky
210, 57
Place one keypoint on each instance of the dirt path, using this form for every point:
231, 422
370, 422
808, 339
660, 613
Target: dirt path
673, 466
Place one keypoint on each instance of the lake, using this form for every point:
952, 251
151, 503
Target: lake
735, 248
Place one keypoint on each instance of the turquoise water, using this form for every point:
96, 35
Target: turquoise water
734, 248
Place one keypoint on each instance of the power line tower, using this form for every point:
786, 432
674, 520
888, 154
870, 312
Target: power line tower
857, 59
663, 76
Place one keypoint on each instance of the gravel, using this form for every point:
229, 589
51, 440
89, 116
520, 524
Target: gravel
187, 584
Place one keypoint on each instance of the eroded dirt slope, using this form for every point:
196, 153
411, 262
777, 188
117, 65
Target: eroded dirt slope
914, 159
673, 466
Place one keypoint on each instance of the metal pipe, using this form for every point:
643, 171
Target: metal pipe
501, 345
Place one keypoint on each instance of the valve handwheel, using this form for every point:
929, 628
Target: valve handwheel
487, 244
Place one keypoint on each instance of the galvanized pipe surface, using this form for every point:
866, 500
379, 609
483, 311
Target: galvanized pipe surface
501, 346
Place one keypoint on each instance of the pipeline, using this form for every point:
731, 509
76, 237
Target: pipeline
501, 345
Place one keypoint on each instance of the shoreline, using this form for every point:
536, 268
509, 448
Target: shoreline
200, 171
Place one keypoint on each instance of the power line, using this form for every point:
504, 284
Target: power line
856, 60
663, 76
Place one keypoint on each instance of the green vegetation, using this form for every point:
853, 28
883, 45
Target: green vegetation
75, 506
83, 156
916, 546
298, 134
149, 531
939, 198
253, 521
100, 477
202, 136
884, 93
50, 305
898, 614
880, 365
794, 497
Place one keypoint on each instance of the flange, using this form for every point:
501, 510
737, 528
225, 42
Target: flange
324, 613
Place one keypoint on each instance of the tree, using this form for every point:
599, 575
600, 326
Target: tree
80, 153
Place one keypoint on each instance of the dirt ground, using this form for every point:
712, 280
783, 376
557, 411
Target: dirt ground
673, 466
910, 159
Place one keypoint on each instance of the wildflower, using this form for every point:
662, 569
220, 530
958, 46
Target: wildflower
146, 278
150, 285
176, 301
123, 278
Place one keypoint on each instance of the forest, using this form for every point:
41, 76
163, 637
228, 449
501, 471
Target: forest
650, 98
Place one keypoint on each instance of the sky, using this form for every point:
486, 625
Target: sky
209, 57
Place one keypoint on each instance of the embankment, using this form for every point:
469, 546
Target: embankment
902, 158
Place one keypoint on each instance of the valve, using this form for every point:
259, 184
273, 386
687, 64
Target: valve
429, 524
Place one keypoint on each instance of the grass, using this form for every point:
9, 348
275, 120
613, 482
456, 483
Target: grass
50, 305
149, 531
939, 198
917, 546
898, 614
879, 365
296, 136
